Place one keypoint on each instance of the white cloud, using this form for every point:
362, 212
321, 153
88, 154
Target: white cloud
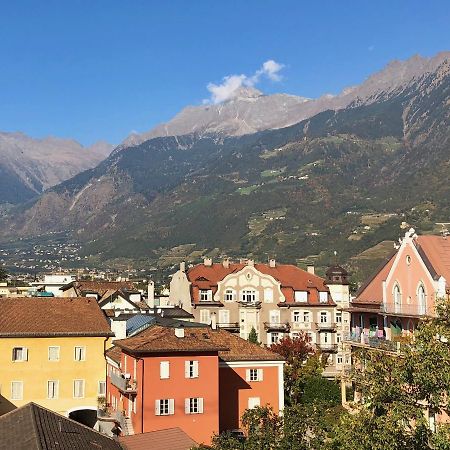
231, 83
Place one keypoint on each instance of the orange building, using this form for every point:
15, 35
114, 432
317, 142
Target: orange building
188, 375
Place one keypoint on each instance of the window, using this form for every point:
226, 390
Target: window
229, 295
102, 388
224, 316
204, 295
164, 370
16, 390
165, 407
274, 338
338, 338
248, 295
78, 388
338, 317
421, 298
296, 316
53, 353
80, 353
193, 405
323, 297
205, 316
301, 296
52, 389
274, 316
339, 359
253, 402
306, 317
310, 337
397, 296
191, 369
323, 317
268, 295
254, 375
20, 354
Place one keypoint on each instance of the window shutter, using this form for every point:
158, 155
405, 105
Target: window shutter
25, 354
247, 374
171, 406
195, 369
200, 405
164, 369
186, 369
187, 405
260, 374
157, 408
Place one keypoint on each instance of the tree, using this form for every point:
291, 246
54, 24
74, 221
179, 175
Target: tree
400, 391
253, 336
3, 274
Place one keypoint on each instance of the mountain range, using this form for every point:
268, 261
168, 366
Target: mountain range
266, 176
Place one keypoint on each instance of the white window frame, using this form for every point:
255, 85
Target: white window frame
53, 394
164, 370
306, 314
248, 295
20, 385
203, 314
102, 387
268, 295
339, 317
254, 375
229, 295
301, 296
191, 369
253, 402
322, 315
296, 316
165, 407
274, 337
23, 354
79, 350
323, 297
193, 405
226, 313
58, 351
204, 295
82, 384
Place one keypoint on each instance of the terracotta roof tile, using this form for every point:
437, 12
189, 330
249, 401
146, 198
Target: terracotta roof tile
291, 278
114, 353
437, 250
170, 438
100, 287
52, 316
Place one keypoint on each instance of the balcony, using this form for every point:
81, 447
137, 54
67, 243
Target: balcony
380, 343
413, 310
232, 327
301, 325
124, 385
327, 348
326, 326
250, 304
277, 326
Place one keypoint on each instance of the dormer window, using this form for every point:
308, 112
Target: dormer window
323, 297
301, 296
205, 295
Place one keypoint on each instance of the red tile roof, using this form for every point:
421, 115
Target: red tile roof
291, 279
52, 316
168, 439
100, 287
437, 251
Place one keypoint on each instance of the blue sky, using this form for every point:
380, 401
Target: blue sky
92, 70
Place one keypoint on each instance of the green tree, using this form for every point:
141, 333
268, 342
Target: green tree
253, 336
3, 274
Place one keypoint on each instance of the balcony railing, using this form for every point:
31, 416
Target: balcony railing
326, 325
301, 325
230, 326
380, 343
407, 310
277, 326
328, 348
124, 385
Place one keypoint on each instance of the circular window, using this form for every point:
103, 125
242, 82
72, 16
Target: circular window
408, 260
249, 276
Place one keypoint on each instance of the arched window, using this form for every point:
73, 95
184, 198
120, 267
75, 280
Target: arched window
397, 298
421, 299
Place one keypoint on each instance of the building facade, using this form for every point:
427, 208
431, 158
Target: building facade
52, 353
275, 299
191, 376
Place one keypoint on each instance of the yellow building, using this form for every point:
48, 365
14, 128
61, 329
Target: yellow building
52, 353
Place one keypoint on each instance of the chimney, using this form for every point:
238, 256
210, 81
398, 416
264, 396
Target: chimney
182, 266
207, 262
151, 294
272, 263
310, 269
214, 321
250, 262
179, 332
226, 263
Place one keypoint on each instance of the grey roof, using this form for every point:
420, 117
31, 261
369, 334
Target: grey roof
33, 427
138, 323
